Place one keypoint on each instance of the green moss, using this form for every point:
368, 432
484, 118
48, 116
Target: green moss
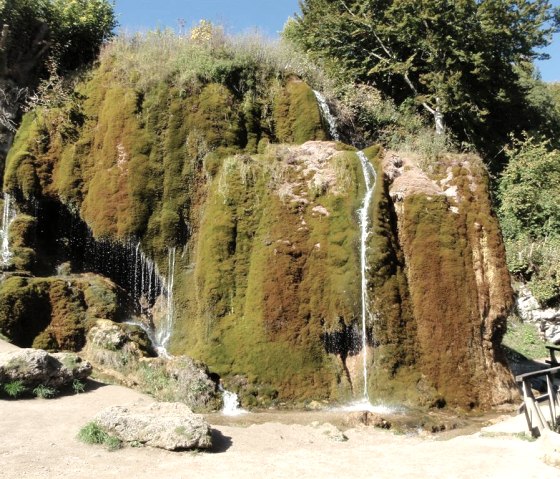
20, 175
445, 251
296, 114
52, 313
271, 279
394, 328
24, 309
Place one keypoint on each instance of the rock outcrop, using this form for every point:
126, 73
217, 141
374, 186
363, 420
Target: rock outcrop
124, 352
171, 426
458, 280
265, 241
547, 320
35, 367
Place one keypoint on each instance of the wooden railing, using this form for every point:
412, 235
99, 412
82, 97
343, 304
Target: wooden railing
536, 418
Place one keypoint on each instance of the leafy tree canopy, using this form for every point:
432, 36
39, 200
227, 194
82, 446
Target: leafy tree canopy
458, 58
71, 31
528, 191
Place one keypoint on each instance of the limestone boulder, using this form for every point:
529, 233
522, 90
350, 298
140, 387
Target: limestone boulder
123, 351
171, 426
36, 367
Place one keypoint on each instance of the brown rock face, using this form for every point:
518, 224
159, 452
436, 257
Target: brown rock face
457, 276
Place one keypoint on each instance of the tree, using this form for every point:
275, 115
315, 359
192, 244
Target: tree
36, 35
528, 191
456, 58
71, 31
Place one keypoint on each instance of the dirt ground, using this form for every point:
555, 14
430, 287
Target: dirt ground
38, 440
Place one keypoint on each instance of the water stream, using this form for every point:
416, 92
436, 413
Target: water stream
363, 214
327, 115
370, 179
231, 403
8, 214
165, 328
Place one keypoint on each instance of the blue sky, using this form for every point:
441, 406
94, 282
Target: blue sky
237, 16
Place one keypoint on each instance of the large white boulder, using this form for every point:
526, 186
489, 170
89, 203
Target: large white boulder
171, 426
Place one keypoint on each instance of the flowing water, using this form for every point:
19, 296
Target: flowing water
363, 214
370, 179
327, 115
8, 215
231, 403
165, 328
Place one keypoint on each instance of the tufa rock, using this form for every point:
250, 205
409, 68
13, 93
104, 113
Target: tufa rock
171, 426
123, 351
36, 367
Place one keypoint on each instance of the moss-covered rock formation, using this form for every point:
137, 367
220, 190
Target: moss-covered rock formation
459, 286
231, 171
55, 313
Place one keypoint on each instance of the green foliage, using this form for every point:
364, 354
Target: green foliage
530, 216
528, 187
536, 262
44, 392
243, 62
454, 58
70, 30
92, 433
14, 389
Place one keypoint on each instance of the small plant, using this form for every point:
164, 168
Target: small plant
92, 433
14, 389
78, 386
44, 392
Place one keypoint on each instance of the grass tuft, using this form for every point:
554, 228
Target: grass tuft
92, 433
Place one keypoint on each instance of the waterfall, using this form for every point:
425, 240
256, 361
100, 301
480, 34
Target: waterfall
231, 403
147, 285
8, 215
327, 115
164, 330
370, 180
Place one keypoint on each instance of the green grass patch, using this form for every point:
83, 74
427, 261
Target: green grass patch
524, 339
92, 433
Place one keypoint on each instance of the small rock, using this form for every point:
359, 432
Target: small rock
367, 418
171, 426
314, 406
321, 210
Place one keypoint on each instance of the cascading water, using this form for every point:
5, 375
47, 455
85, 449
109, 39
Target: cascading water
8, 215
327, 115
231, 403
164, 329
370, 180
